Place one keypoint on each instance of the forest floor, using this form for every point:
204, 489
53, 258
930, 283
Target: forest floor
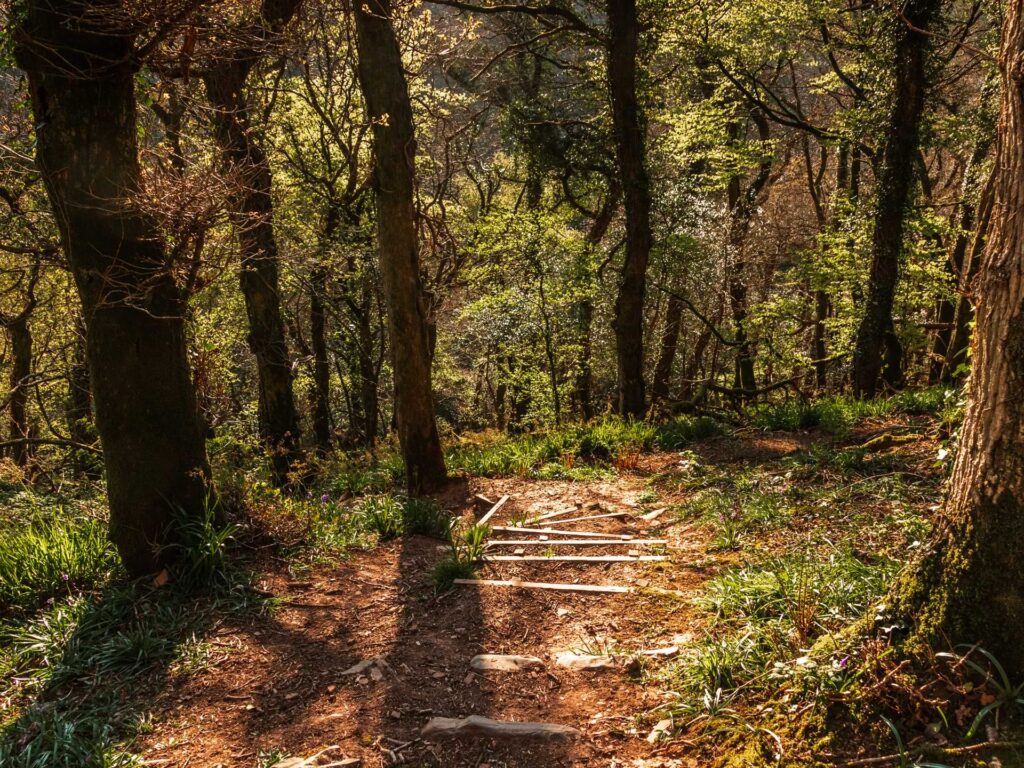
787, 516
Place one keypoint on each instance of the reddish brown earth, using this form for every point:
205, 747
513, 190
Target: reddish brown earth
276, 683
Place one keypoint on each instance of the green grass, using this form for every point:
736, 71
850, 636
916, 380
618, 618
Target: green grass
580, 451
77, 675
766, 615
52, 556
839, 414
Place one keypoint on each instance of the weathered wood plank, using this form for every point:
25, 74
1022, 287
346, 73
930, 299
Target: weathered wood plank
573, 558
500, 503
608, 588
556, 532
572, 542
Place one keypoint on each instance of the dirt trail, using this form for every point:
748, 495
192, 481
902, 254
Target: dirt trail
277, 683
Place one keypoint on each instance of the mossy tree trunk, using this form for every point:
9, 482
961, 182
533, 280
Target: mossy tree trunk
970, 587
386, 93
81, 73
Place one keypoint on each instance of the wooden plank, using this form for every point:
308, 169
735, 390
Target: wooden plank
609, 588
571, 542
591, 517
475, 725
556, 532
500, 503
573, 558
550, 515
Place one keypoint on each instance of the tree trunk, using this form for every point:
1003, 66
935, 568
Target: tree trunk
81, 78
742, 207
624, 31
368, 370
386, 93
21, 369
956, 355
970, 587
667, 353
877, 345
957, 261
585, 307
321, 365
252, 215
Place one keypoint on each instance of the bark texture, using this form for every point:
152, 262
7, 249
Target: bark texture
624, 32
386, 93
81, 79
877, 347
970, 587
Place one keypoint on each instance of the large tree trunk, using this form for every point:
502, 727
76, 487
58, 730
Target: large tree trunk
386, 93
970, 587
876, 341
252, 214
21, 369
623, 32
81, 77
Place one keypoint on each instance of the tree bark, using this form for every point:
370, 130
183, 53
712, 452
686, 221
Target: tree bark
382, 80
877, 349
970, 587
623, 32
80, 69
252, 213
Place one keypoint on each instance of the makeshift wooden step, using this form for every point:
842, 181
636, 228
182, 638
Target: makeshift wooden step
573, 558
573, 542
590, 517
607, 588
556, 532
498, 505
550, 515
650, 517
475, 725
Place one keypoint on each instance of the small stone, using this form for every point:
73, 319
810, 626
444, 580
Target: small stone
496, 662
375, 674
571, 660
562, 612
469, 678
438, 675
394, 714
660, 731
332, 688
291, 696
